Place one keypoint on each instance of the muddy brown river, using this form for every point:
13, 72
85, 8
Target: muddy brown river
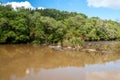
95, 61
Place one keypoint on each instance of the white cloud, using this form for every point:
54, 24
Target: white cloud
25, 4
115, 4
41, 8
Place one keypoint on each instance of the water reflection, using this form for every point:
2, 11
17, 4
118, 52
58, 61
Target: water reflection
28, 62
107, 71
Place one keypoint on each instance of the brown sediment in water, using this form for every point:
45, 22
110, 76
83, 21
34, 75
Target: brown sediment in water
20, 59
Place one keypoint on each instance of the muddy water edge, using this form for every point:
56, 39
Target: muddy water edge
94, 61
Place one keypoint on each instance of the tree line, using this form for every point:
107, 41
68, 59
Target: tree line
51, 26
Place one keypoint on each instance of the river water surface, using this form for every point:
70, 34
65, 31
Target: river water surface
34, 62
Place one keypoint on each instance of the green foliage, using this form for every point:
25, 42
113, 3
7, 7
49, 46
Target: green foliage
51, 26
58, 15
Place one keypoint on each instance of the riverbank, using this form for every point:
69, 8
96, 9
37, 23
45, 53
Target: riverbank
96, 47
89, 47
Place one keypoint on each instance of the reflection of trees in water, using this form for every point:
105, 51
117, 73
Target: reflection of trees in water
103, 45
18, 59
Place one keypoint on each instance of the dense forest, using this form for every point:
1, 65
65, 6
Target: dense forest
51, 26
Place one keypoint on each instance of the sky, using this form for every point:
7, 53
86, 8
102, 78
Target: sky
105, 9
